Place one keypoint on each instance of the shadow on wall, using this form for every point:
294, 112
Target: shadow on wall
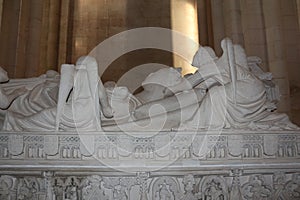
295, 106
146, 13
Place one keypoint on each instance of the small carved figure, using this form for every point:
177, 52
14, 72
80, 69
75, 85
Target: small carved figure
214, 192
71, 191
189, 183
92, 189
119, 193
165, 193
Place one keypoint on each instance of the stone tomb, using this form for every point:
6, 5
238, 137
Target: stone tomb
169, 165
211, 135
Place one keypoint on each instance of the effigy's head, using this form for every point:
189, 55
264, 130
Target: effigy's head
158, 83
52, 74
163, 78
88, 62
240, 57
3, 75
203, 56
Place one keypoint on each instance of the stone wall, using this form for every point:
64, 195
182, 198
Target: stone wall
268, 29
29, 37
94, 21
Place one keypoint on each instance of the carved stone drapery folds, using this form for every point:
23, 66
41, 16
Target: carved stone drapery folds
166, 166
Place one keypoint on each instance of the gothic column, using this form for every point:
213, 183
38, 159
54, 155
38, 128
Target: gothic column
184, 20
218, 24
1, 12
233, 21
9, 35
254, 30
53, 34
79, 35
44, 34
298, 9
21, 51
275, 48
49, 36
32, 63
65, 32
205, 23
29, 37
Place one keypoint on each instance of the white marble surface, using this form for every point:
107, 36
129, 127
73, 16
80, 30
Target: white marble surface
234, 165
230, 92
68, 137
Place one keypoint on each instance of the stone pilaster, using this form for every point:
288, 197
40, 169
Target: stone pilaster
184, 20
233, 21
275, 48
1, 11
65, 29
254, 30
298, 11
218, 24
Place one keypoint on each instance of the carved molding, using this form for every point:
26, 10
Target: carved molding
200, 166
164, 146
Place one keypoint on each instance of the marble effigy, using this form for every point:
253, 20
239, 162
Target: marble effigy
226, 92
212, 135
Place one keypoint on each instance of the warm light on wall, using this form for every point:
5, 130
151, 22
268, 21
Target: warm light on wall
191, 27
185, 20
